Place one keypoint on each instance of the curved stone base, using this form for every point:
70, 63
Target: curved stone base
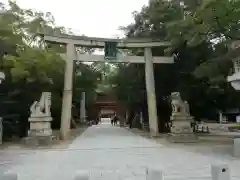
182, 138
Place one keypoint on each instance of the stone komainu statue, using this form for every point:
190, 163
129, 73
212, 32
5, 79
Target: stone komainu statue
42, 107
178, 105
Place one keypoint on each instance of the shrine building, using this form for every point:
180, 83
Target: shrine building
106, 105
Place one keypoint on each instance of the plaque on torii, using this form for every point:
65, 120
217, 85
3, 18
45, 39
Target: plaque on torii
110, 51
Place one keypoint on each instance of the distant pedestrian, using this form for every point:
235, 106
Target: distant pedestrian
115, 120
130, 124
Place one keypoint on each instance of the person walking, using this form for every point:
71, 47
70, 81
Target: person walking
116, 120
112, 120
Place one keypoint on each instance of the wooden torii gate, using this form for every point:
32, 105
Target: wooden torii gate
110, 46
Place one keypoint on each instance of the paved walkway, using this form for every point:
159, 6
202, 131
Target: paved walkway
113, 153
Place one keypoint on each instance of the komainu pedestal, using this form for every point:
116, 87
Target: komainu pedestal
40, 132
181, 130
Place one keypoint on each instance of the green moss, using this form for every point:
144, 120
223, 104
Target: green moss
235, 127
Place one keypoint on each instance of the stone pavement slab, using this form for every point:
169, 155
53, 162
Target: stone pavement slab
110, 153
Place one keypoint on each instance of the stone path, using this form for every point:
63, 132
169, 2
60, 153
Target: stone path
113, 153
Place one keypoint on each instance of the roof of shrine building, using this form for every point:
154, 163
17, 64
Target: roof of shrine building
105, 98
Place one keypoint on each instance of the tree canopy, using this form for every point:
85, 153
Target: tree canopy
32, 66
200, 32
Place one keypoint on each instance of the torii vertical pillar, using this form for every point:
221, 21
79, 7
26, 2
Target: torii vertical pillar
150, 88
83, 107
67, 92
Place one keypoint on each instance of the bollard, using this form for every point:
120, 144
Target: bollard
82, 175
220, 172
8, 176
236, 147
154, 174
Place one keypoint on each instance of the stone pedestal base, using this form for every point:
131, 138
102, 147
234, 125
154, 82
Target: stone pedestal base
40, 132
153, 133
182, 138
181, 126
181, 131
38, 140
40, 126
181, 118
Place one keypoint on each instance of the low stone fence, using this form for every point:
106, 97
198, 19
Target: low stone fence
218, 172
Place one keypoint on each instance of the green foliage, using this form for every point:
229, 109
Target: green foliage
200, 31
125, 84
34, 64
30, 67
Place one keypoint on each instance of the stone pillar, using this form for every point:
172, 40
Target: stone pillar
83, 107
141, 119
151, 96
220, 172
126, 116
220, 117
82, 176
236, 147
67, 92
1, 130
154, 174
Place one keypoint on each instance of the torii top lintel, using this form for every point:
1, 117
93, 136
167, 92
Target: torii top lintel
95, 42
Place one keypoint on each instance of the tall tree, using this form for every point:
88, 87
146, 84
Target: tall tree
199, 31
31, 65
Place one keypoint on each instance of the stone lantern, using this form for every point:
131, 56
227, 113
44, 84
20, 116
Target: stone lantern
2, 77
234, 79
